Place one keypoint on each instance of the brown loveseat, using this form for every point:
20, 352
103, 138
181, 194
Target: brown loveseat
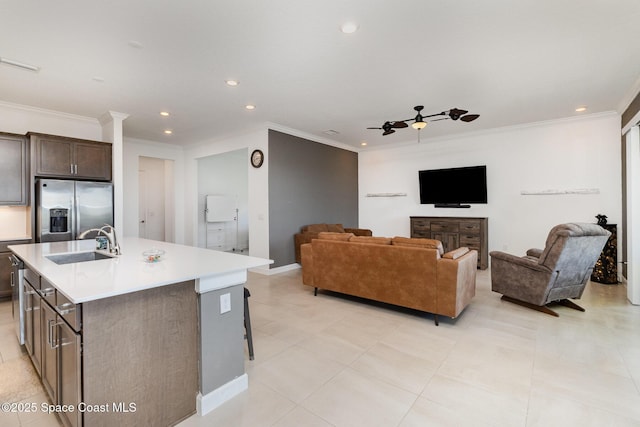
310, 232
413, 273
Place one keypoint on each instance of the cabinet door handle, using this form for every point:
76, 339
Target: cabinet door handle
66, 308
47, 292
76, 168
51, 339
71, 171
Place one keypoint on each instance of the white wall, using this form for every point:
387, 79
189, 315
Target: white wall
258, 193
563, 155
225, 174
133, 150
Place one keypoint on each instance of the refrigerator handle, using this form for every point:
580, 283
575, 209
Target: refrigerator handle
76, 217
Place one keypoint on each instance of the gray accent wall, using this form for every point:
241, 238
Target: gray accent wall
309, 183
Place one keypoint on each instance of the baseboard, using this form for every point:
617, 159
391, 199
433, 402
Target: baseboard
210, 401
277, 270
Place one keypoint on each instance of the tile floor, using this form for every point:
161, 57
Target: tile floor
337, 361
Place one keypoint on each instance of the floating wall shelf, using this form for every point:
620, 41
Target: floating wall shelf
558, 192
386, 194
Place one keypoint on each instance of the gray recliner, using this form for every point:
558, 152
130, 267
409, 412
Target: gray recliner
558, 272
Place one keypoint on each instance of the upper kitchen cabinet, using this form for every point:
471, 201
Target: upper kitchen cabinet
14, 165
57, 156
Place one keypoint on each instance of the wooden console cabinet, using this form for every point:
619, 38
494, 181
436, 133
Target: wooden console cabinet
455, 232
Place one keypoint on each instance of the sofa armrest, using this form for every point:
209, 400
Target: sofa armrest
306, 255
456, 281
359, 231
520, 277
300, 239
498, 257
534, 252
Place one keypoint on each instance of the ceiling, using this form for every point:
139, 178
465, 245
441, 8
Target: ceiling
512, 62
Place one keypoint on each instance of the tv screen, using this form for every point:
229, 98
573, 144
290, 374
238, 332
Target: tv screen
454, 186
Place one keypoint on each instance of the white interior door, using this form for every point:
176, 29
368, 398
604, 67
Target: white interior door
142, 204
152, 197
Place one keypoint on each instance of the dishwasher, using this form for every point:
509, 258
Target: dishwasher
17, 295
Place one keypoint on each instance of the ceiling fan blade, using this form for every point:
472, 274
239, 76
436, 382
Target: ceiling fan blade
399, 125
388, 132
375, 128
469, 117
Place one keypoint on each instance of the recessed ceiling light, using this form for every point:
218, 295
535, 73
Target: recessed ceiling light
232, 82
168, 131
164, 113
363, 143
349, 27
250, 107
581, 109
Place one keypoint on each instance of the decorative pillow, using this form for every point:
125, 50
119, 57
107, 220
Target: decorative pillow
335, 228
418, 243
371, 239
456, 253
328, 235
316, 228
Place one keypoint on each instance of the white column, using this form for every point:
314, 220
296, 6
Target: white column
111, 123
632, 141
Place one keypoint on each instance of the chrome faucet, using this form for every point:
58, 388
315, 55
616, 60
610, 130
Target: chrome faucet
114, 247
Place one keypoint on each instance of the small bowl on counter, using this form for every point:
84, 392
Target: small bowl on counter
153, 255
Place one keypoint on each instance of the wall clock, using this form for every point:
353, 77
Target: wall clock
257, 158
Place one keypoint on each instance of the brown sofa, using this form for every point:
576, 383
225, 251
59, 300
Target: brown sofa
310, 232
413, 273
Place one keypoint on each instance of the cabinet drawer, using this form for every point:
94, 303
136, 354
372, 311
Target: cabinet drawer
48, 291
32, 277
469, 226
446, 227
469, 240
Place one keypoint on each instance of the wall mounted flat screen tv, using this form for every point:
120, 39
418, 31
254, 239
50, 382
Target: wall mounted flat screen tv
453, 187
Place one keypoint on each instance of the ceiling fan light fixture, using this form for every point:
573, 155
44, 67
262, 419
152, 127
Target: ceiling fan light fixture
419, 125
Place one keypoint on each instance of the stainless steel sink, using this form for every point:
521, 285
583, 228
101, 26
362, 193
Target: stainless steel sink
74, 257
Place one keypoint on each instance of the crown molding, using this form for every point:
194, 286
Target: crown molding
54, 113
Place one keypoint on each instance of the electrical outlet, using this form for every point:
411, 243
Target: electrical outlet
225, 303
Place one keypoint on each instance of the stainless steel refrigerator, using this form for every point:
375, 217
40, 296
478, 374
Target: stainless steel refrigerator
67, 208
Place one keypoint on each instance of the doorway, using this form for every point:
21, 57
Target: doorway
155, 199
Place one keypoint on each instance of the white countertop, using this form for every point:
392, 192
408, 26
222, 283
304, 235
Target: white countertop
126, 273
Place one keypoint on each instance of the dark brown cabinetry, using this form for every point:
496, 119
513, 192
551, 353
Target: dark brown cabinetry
6, 268
455, 232
62, 157
53, 339
14, 155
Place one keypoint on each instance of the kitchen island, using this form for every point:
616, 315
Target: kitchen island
155, 342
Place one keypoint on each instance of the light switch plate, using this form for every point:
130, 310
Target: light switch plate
225, 303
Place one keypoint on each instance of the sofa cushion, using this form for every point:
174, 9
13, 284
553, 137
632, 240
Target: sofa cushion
456, 253
335, 228
418, 243
371, 239
329, 235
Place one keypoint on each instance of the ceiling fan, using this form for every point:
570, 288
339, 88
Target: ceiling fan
419, 122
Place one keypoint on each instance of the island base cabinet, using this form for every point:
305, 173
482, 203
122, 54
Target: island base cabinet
140, 357
69, 372
49, 374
